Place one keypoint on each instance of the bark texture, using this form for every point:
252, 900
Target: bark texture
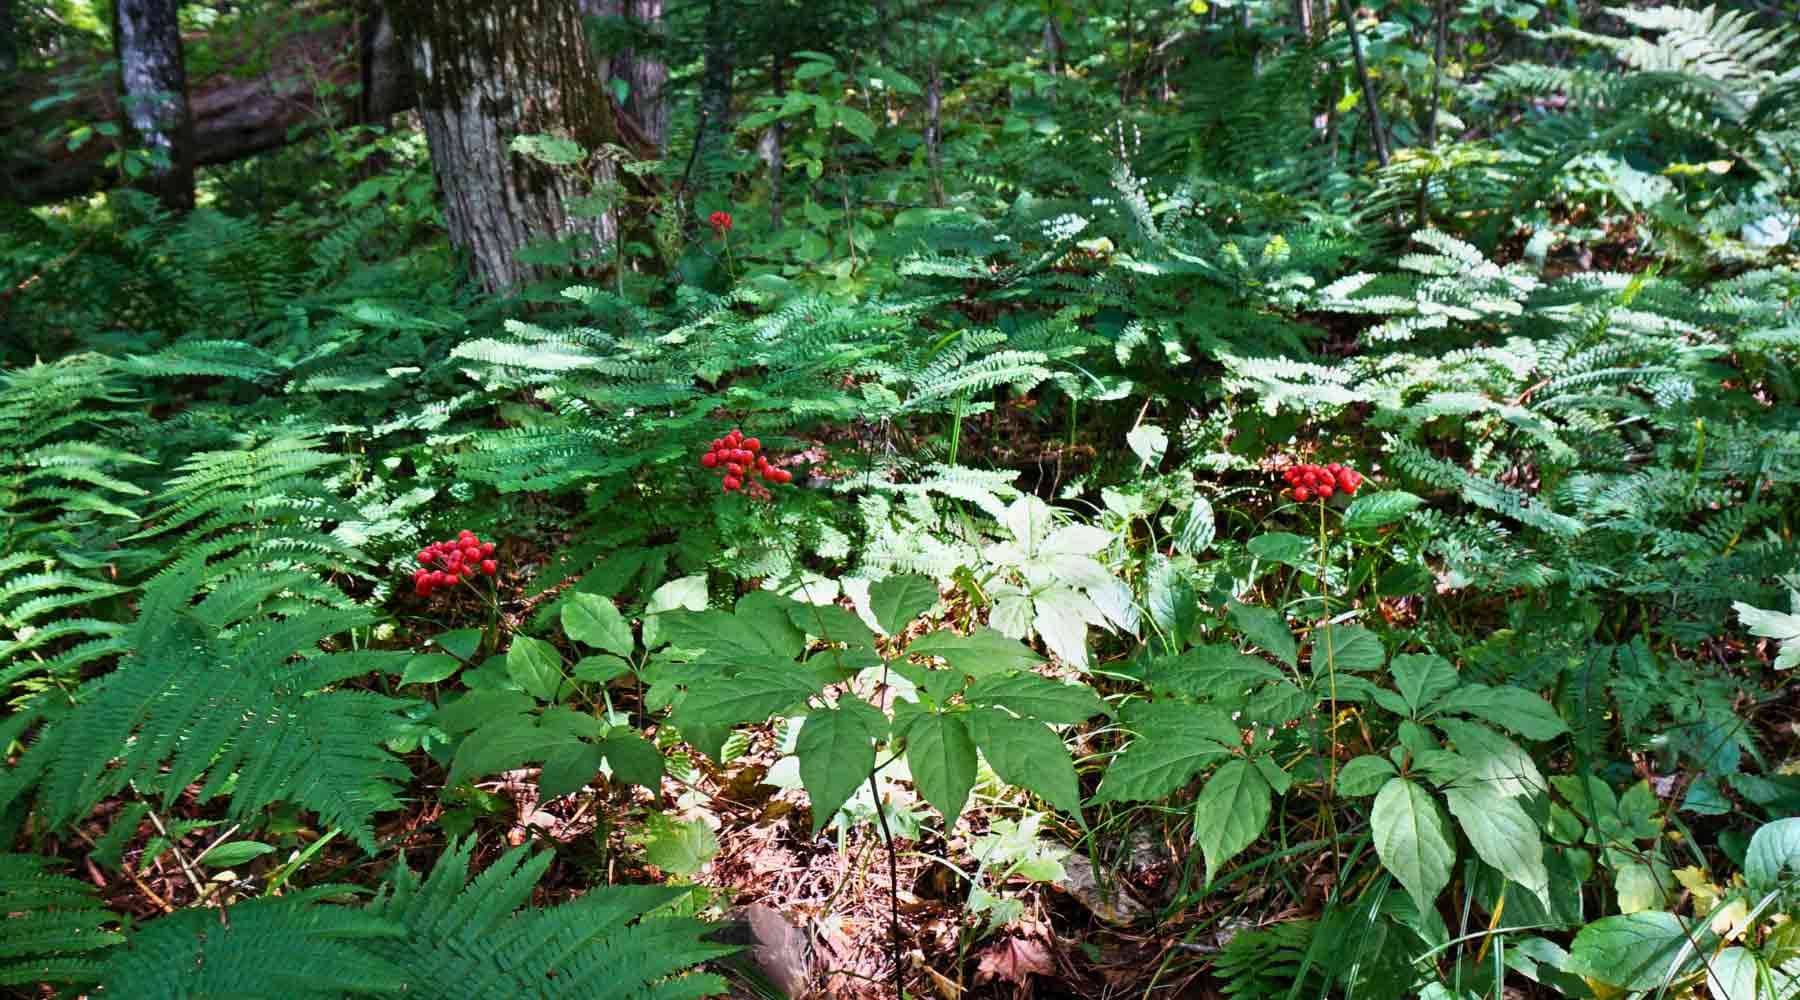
487, 71
147, 39
646, 76
715, 83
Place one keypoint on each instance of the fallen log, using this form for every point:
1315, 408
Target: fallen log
342, 72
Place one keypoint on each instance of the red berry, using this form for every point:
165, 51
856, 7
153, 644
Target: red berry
422, 589
734, 469
709, 460
783, 476
1324, 491
753, 444
1302, 493
487, 548
424, 558
490, 567
471, 553
439, 578
732, 483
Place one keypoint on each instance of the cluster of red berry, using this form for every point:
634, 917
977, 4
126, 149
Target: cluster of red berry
455, 559
1321, 481
740, 460
721, 222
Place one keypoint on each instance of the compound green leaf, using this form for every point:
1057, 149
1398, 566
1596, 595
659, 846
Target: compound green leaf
534, 665
1502, 835
1175, 741
1372, 510
1634, 951
1364, 775
1422, 679
980, 653
1511, 708
1266, 628
1774, 850
1346, 647
1037, 697
837, 753
1210, 671
593, 620
1026, 753
568, 767
941, 756
750, 695
1230, 813
633, 759
898, 600
1412, 840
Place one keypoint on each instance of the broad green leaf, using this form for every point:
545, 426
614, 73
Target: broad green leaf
1175, 741
633, 759
688, 594
1230, 813
1777, 625
679, 847
1364, 775
1198, 526
979, 654
898, 600
235, 853
728, 641
1148, 442
501, 745
429, 668
1774, 850
1511, 708
460, 643
1209, 671
1346, 647
600, 669
750, 695
770, 615
1372, 510
1026, 753
832, 624
837, 753
1038, 697
941, 756
1412, 840
1266, 628
534, 665
1639, 889
1494, 759
1064, 628
1634, 951
1278, 779
593, 620
1502, 835
567, 768
1283, 547
1422, 679
473, 710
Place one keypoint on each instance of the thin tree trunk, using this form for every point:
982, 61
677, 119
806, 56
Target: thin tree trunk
715, 84
1303, 20
386, 84
934, 130
1053, 46
778, 76
1437, 73
9, 39
153, 82
1376, 135
488, 71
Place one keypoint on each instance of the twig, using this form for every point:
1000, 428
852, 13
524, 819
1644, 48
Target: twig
187, 868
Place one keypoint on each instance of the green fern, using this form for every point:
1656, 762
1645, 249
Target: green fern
53, 929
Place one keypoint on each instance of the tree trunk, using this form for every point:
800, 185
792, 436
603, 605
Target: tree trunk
778, 75
646, 77
713, 132
147, 38
934, 130
487, 71
9, 39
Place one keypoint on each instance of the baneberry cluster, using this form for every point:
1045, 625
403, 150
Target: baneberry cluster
741, 461
1321, 481
447, 563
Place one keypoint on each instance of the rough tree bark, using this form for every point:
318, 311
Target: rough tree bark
147, 38
647, 77
489, 70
